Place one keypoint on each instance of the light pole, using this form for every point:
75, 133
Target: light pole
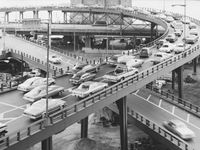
4, 32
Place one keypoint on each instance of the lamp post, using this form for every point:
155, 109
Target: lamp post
4, 32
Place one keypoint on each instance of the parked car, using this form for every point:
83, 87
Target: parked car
80, 78
38, 109
54, 59
167, 47
145, 52
88, 88
180, 47
40, 92
171, 38
191, 39
179, 128
159, 57
33, 82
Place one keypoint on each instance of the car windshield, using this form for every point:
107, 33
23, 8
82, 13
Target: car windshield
85, 87
165, 45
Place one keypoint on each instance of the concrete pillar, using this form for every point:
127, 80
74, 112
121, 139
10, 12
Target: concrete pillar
7, 16
50, 15
64, 16
194, 66
84, 128
121, 23
121, 104
35, 14
21, 15
47, 144
179, 72
88, 41
173, 79
90, 17
152, 27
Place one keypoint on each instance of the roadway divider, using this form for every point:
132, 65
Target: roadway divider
181, 103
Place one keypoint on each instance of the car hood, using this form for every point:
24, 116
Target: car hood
185, 131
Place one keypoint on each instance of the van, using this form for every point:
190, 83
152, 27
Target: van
145, 52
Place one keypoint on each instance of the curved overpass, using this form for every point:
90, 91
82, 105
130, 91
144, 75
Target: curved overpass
59, 121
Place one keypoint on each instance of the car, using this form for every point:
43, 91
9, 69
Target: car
132, 62
167, 47
40, 92
177, 25
87, 88
54, 59
159, 57
185, 20
89, 68
169, 19
179, 128
171, 38
77, 67
115, 59
38, 109
3, 129
33, 73
80, 78
145, 52
180, 47
192, 25
100, 23
191, 39
178, 32
33, 82
194, 32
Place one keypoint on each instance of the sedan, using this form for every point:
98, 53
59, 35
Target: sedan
88, 88
171, 38
89, 68
38, 108
33, 82
54, 59
167, 47
40, 92
191, 39
179, 128
180, 47
80, 78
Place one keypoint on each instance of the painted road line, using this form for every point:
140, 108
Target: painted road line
148, 97
160, 102
66, 96
136, 92
11, 105
15, 119
171, 113
188, 117
173, 110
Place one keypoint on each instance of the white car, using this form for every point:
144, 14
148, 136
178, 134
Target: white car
192, 26
33, 82
40, 92
132, 62
89, 68
171, 38
38, 108
180, 47
159, 57
88, 88
194, 32
185, 20
179, 128
167, 47
169, 19
178, 32
33, 73
191, 39
54, 59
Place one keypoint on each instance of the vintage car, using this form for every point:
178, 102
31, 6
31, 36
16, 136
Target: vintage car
167, 48
178, 32
89, 68
38, 108
33, 82
33, 73
88, 88
80, 78
132, 62
179, 128
191, 39
77, 67
159, 57
40, 92
180, 47
54, 59
171, 38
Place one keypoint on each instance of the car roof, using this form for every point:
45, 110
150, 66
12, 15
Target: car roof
177, 122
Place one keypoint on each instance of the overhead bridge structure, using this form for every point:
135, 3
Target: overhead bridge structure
38, 131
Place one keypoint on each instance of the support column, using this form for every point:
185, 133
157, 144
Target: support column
35, 14
152, 27
194, 66
84, 128
50, 15
173, 79
88, 41
7, 16
121, 104
179, 72
47, 144
121, 23
64, 16
21, 15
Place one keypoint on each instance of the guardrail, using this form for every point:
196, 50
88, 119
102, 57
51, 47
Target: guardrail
191, 108
123, 86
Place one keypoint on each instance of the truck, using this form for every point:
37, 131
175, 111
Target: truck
120, 73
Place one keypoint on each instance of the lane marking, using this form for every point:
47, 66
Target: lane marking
188, 117
15, 119
170, 113
160, 102
66, 96
136, 91
148, 97
173, 110
11, 105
